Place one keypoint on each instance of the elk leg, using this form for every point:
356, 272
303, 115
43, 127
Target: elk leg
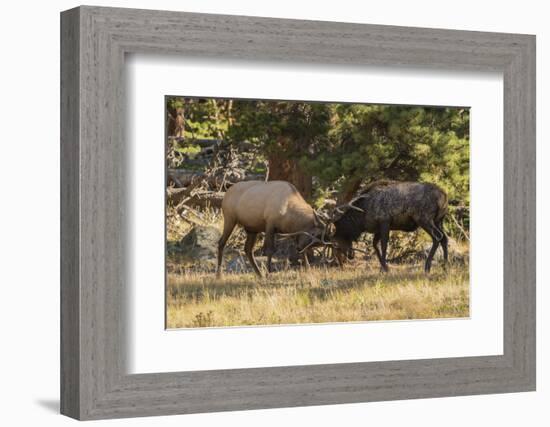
305, 260
269, 247
339, 255
228, 227
428, 265
375, 242
436, 236
384, 237
444, 242
248, 250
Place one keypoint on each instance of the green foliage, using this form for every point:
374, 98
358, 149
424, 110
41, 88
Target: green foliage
191, 150
343, 146
204, 118
368, 142
280, 127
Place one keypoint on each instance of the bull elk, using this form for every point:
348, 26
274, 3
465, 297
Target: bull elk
390, 205
273, 207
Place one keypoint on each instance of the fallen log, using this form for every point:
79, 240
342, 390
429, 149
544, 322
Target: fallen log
211, 199
185, 177
199, 142
175, 196
194, 198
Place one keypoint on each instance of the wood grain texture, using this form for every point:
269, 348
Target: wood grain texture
95, 235
70, 259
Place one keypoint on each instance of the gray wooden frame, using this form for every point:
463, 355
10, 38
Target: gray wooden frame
94, 382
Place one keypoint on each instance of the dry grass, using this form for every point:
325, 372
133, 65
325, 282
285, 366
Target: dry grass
357, 293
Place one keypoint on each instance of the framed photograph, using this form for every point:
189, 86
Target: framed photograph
261, 213
295, 175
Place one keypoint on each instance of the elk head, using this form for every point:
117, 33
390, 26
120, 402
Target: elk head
315, 236
342, 247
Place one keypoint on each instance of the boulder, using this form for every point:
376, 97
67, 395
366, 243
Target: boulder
199, 247
237, 265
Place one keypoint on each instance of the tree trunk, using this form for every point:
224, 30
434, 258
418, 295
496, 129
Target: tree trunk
170, 120
349, 189
282, 168
302, 180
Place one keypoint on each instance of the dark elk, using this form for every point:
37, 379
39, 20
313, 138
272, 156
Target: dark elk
391, 205
273, 207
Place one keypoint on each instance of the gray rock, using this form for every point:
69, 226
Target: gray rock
199, 247
237, 265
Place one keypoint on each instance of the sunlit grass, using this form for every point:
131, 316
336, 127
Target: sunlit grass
356, 293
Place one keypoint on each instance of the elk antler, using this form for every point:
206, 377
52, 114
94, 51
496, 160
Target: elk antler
297, 233
314, 239
350, 205
322, 217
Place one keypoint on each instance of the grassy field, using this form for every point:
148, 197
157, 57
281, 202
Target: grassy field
356, 293
359, 292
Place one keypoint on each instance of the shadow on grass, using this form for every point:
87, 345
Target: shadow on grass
320, 284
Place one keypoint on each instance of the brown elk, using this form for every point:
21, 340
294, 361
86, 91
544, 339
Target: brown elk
392, 205
273, 207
